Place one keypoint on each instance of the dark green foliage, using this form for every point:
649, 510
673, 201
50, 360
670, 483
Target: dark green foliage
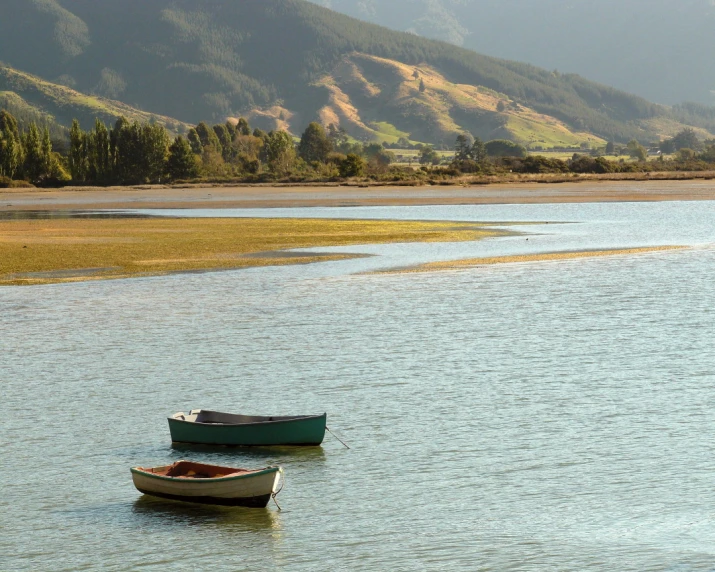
540, 164
667, 146
314, 144
686, 139
208, 138
479, 151
242, 127
338, 137
182, 160
504, 148
352, 166
636, 150
78, 153
463, 148
588, 164
225, 138
98, 156
428, 156
195, 141
11, 149
36, 164
279, 152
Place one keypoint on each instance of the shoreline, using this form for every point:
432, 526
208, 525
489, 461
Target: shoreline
295, 196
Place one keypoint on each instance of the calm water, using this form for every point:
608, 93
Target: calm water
541, 416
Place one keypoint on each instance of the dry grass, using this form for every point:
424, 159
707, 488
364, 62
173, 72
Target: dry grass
64, 250
550, 256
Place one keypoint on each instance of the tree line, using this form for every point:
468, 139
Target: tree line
139, 153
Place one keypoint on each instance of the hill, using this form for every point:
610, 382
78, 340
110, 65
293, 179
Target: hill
30, 98
640, 46
282, 62
366, 92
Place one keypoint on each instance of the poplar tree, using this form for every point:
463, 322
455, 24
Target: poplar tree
242, 127
46, 146
34, 159
77, 156
194, 141
479, 151
182, 160
99, 153
154, 150
11, 151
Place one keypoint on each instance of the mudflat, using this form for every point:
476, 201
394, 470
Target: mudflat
45, 251
90, 198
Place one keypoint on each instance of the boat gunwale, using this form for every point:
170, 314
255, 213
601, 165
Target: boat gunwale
259, 472
293, 419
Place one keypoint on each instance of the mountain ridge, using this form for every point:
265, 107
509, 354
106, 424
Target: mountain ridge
637, 46
212, 59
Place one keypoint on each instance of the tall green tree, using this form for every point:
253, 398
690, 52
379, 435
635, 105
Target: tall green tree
279, 152
636, 150
182, 160
155, 150
11, 149
224, 137
36, 165
77, 155
479, 151
98, 150
428, 156
462, 148
686, 139
242, 127
209, 140
314, 144
194, 141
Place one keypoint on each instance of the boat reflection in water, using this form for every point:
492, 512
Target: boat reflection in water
157, 511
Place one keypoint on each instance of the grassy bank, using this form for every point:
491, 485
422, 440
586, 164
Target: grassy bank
71, 250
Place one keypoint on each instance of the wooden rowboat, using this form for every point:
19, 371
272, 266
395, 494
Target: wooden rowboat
205, 427
209, 484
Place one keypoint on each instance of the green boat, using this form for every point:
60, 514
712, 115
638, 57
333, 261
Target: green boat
205, 427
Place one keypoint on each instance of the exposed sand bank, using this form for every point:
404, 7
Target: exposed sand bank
322, 196
547, 256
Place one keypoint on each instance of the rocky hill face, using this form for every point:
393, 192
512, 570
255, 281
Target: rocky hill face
284, 63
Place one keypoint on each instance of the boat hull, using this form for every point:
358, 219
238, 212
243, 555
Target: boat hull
251, 490
303, 431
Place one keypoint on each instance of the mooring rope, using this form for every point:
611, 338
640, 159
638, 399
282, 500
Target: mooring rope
275, 494
334, 435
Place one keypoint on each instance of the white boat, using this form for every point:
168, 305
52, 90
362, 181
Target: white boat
209, 484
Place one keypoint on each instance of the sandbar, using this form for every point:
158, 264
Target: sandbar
541, 257
205, 197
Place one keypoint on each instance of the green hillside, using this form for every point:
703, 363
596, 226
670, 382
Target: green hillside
211, 59
30, 98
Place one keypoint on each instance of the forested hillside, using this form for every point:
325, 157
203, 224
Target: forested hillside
269, 59
659, 49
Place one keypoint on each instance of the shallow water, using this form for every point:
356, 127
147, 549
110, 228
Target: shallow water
540, 416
